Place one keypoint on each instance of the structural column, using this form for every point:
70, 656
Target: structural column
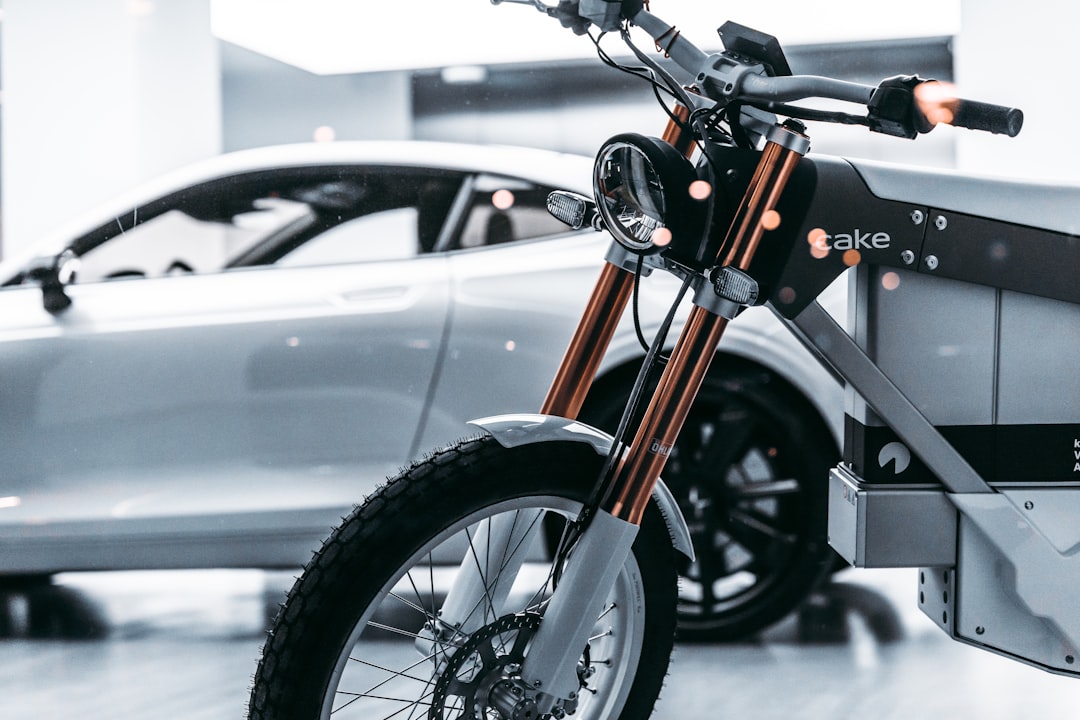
98, 96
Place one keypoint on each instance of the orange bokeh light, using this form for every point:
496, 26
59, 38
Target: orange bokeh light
819, 247
936, 101
700, 190
770, 220
502, 199
661, 237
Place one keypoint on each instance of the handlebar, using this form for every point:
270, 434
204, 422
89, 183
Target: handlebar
977, 115
723, 79
895, 106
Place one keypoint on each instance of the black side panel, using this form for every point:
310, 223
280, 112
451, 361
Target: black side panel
999, 453
845, 224
1011, 257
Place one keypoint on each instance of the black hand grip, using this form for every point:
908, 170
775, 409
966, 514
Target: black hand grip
986, 116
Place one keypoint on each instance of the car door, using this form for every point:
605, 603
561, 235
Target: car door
520, 281
227, 403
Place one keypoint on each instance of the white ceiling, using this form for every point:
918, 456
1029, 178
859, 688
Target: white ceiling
348, 36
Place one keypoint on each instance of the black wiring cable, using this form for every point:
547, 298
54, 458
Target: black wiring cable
814, 115
603, 484
636, 312
647, 366
699, 126
642, 73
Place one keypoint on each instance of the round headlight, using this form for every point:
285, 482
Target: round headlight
642, 186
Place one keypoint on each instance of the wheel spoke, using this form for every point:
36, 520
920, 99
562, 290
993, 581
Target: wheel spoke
712, 565
404, 673
756, 532
489, 583
408, 704
486, 598
766, 489
729, 440
379, 608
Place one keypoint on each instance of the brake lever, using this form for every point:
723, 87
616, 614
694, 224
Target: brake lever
579, 15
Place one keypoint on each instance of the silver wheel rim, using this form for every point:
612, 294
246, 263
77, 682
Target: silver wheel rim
381, 674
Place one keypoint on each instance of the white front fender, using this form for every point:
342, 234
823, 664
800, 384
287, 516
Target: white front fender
524, 429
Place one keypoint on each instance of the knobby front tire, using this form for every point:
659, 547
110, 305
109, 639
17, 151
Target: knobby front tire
344, 643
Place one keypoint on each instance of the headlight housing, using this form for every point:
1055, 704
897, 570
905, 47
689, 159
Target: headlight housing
642, 189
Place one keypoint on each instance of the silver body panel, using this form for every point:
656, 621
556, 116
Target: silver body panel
934, 339
890, 527
1015, 591
1049, 206
967, 354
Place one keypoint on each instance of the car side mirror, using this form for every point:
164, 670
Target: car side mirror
54, 274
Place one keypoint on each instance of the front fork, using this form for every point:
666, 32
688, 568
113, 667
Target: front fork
550, 668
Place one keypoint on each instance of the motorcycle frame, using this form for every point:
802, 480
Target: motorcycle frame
953, 531
979, 525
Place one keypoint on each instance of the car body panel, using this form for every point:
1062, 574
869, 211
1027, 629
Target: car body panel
229, 418
253, 374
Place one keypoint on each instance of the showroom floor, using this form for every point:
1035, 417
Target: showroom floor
184, 645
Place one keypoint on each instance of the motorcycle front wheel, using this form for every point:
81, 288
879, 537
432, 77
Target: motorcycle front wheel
350, 640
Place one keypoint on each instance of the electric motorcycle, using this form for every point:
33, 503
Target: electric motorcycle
528, 571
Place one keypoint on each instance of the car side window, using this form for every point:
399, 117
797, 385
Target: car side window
287, 216
387, 235
401, 214
175, 242
506, 210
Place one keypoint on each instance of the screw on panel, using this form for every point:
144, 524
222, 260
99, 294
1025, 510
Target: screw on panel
908, 257
931, 262
1029, 505
917, 217
941, 222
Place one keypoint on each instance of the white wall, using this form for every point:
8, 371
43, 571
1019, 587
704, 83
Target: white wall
1022, 55
98, 96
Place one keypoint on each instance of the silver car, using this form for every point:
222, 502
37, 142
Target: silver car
249, 345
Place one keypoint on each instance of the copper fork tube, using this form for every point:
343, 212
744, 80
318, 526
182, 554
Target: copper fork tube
679, 385
589, 343
602, 314
637, 474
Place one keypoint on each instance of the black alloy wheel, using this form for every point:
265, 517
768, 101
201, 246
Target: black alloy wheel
750, 473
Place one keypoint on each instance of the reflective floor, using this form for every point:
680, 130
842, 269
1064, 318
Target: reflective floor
184, 645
